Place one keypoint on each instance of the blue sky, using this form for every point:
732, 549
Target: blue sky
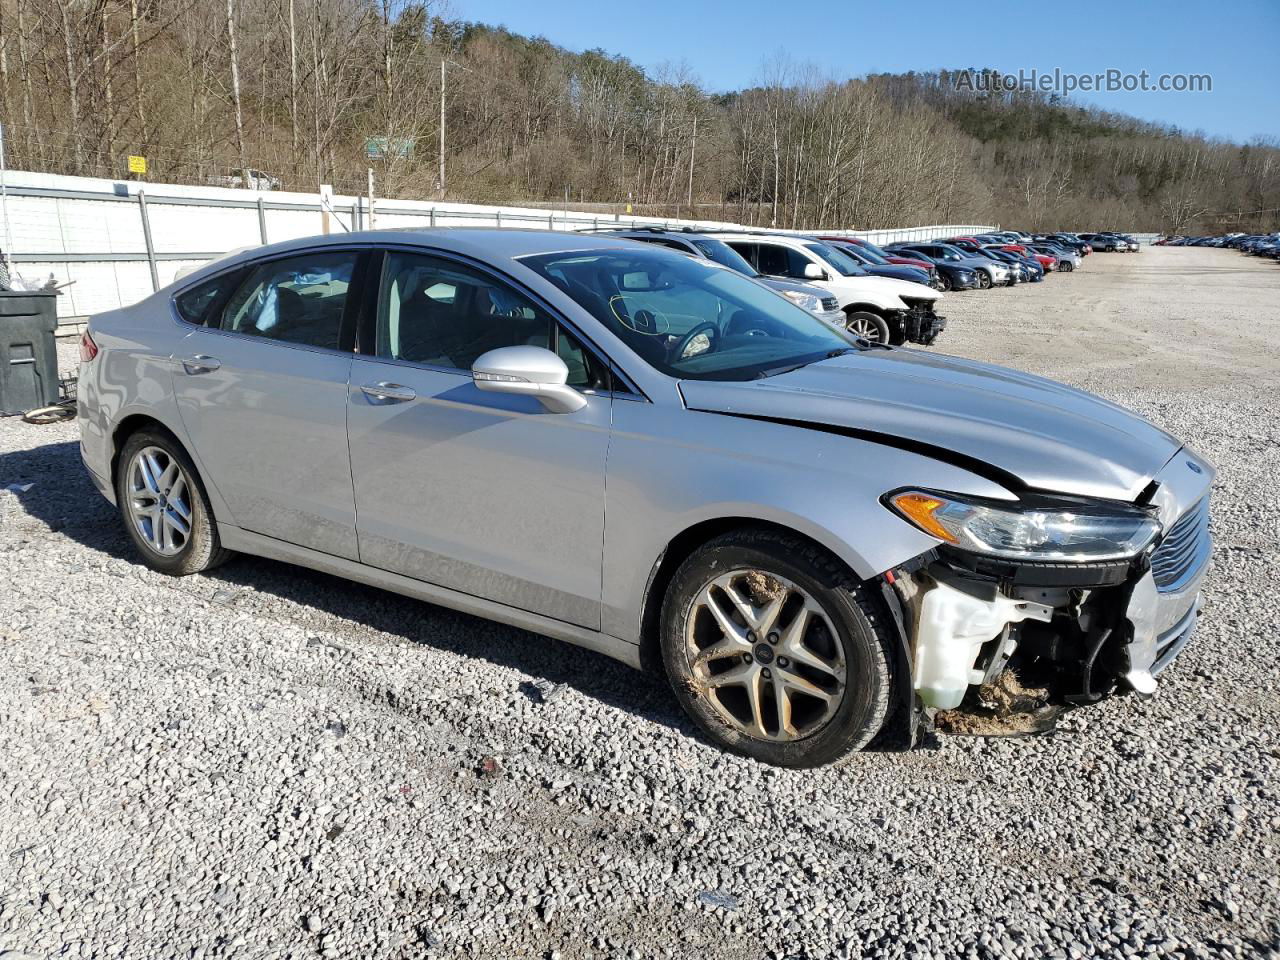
725, 43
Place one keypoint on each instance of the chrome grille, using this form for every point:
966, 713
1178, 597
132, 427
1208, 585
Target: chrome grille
830, 303
1183, 550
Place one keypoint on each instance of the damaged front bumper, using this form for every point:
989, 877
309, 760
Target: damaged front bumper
919, 324
1071, 633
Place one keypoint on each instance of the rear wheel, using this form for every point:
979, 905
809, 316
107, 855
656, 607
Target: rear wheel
870, 326
164, 506
776, 651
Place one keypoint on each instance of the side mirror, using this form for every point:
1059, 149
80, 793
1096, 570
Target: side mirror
814, 272
530, 372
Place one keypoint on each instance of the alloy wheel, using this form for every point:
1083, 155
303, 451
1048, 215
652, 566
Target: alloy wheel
159, 501
765, 655
861, 326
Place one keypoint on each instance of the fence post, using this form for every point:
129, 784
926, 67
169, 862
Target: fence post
146, 239
551, 221
433, 216
262, 221
355, 214
498, 217
595, 223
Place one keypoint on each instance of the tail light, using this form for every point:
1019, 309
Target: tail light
88, 349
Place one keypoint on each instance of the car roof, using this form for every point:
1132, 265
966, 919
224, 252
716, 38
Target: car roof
484, 243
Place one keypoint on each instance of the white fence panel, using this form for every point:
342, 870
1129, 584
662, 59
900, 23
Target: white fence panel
93, 233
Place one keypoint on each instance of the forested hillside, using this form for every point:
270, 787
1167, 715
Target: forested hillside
316, 91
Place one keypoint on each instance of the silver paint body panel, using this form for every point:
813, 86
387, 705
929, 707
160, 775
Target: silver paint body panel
555, 522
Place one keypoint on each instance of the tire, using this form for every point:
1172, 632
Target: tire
847, 633
984, 280
1066, 266
138, 486
53, 414
864, 323
944, 283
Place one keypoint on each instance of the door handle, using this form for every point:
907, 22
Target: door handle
200, 364
383, 392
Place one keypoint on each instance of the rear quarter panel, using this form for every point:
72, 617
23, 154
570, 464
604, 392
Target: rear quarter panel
132, 374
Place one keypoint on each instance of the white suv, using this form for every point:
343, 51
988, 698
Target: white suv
880, 309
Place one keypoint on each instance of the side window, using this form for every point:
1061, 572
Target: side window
749, 252
585, 371
773, 260
196, 305
298, 300
446, 314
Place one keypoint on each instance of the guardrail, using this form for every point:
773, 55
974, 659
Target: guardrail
116, 242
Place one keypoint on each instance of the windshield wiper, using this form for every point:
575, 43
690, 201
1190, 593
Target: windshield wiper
830, 354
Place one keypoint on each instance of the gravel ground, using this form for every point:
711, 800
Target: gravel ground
268, 762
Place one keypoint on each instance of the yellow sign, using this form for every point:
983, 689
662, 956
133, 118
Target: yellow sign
628, 208
137, 164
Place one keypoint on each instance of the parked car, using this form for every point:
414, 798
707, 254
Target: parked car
257, 180
1067, 241
1066, 260
814, 299
1018, 272
889, 256
868, 261
1101, 242
989, 272
882, 310
651, 456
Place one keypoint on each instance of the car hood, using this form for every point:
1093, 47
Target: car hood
881, 287
909, 274
1045, 435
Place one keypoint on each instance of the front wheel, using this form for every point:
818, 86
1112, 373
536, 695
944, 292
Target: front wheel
869, 326
1066, 266
944, 283
776, 651
984, 280
164, 506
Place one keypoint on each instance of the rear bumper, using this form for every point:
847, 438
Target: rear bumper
100, 482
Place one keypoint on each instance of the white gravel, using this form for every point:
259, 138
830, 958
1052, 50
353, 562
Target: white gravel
267, 762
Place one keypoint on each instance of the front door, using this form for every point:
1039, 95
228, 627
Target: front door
262, 392
487, 494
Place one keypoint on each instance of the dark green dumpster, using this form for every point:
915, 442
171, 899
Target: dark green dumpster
28, 353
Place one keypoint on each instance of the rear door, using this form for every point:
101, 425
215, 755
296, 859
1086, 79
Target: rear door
261, 387
484, 493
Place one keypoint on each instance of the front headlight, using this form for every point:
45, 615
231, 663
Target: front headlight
1049, 531
808, 301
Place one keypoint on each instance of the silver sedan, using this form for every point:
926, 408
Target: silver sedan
819, 541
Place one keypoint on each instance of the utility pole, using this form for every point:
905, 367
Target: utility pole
442, 66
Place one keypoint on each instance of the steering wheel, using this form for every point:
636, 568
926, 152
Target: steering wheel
712, 332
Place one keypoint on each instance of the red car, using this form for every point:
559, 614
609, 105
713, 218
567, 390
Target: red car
1046, 261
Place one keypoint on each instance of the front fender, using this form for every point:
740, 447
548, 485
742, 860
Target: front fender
670, 470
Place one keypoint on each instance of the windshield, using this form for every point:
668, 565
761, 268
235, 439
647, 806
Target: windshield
846, 265
690, 319
952, 253
724, 255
